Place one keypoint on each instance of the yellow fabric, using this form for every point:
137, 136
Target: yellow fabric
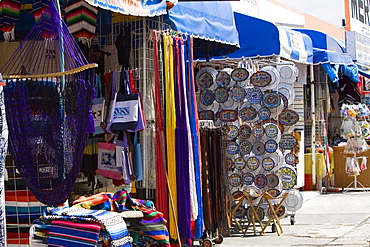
320, 164
170, 132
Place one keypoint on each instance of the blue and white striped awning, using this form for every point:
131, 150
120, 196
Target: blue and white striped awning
260, 38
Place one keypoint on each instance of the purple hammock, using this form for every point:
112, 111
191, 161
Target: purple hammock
47, 133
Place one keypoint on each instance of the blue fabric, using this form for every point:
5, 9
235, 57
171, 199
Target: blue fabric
260, 38
351, 71
206, 20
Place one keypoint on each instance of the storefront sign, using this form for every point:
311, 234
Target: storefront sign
358, 47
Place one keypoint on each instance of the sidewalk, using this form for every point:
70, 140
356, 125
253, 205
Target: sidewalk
333, 219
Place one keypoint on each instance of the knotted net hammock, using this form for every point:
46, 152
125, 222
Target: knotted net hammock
47, 114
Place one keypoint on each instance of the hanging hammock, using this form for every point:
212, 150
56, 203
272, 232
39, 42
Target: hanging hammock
48, 116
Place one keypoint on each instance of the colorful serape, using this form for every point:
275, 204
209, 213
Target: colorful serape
9, 14
69, 233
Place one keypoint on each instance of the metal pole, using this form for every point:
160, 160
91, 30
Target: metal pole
313, 122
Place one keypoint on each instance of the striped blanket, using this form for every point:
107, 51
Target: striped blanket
112, 223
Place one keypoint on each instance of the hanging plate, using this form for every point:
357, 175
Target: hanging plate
229, 163
205, 77
206, 115
288, 177
258, 148
287, 142
248, 113
271, 99
271, 130
223, 79
268, 163
238, 94
240, 212
248, 178
294, 200
287, 90
261, 79
258, 131
221, 94
271, 146
245, 147
237, 194
288, 117
264, 113
260, 213
253, 163
291, 159
240, 74
232, 148
254, 95
207, 97
260, 180
235, 180
232, 131
228, 115
275, 78
272, 180
287, 73
279, 213
239, 163
285, 101
274, 192
245, 131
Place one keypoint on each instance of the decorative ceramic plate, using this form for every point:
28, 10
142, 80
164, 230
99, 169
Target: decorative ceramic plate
271, 130
260, 212
287, 90
245, 147
229, 163
288, 117
239, 74
245, 131
238, 94
287, 142
279, 213
235, 180
239, 163
221, 94
206, 115
240, 212
274, 73
254, 95
260, 180
291, 159
258, 131
261, 79
232, 131
248, 113
232, 148
207, 97
288, 177
264, 113
248, 178
258, 148
271, 120
205, 77
287, 73
268, 163
237, 194
285, 101
272, 180
294, 200
253, 163
228, 115
271, 100
223, 79
274, 192
271, 146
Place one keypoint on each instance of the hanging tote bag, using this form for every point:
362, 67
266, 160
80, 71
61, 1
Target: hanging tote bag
125, 113
138, 161
107, 166
97, 107
140, 125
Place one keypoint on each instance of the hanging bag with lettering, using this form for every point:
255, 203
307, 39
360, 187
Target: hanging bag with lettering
97, 107
107, 166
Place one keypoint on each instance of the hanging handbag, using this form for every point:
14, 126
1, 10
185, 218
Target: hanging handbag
97, 107
107, 166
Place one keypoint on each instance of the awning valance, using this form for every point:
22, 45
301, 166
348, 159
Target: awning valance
260, 38
135, 8
208, 21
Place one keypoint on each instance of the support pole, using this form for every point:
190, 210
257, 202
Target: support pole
313, 122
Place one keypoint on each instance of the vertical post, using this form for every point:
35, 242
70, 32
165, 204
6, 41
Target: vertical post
144, 94
313, 122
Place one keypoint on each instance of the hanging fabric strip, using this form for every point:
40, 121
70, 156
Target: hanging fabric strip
184, 82
182, 149
170, 130
161, 191
193, 115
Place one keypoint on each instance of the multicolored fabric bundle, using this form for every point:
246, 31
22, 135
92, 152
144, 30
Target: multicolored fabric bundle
9, 14
81, 19
39, 7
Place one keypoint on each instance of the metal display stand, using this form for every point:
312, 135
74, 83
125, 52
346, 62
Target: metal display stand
355, 182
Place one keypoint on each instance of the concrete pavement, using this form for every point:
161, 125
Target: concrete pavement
333, 219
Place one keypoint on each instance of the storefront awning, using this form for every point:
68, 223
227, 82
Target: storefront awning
135, 8
210, 21
260, 38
